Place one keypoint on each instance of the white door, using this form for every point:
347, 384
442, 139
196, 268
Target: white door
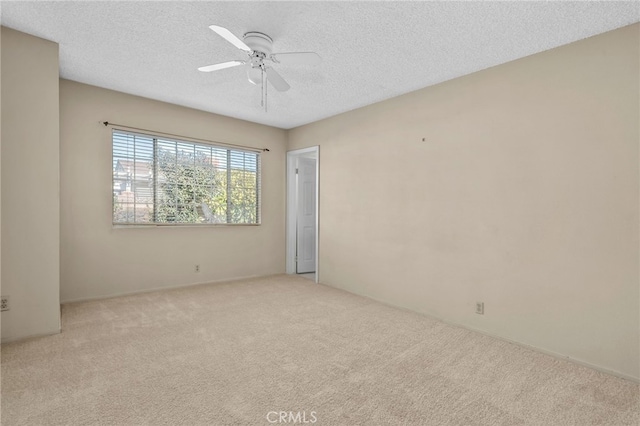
306, 216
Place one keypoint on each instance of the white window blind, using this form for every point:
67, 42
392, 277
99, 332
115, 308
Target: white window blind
160, 181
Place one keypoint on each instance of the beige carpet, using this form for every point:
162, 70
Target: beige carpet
232, 353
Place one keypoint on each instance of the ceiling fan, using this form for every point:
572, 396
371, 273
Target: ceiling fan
258, 47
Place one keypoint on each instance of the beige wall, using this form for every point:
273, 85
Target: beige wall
524, 196
98, 260
0, 179
30, 167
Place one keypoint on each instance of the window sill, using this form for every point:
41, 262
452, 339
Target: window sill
186, 225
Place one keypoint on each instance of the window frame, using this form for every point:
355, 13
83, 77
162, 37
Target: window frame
196, 143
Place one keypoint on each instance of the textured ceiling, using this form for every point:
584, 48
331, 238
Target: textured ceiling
371, 50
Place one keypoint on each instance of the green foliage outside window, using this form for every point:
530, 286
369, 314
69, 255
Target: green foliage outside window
170, 182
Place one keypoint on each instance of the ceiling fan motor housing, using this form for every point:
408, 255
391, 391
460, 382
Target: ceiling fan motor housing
260, 45
259, 42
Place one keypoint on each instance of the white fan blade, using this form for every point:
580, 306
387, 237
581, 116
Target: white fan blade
221, 66
227, 35
297, 58
277, 81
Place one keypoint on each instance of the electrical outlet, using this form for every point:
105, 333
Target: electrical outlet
4, 303
480, 308
197, 269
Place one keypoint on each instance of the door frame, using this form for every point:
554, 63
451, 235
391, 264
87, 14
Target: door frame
292, 201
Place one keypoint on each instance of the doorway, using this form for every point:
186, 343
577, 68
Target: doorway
302, 212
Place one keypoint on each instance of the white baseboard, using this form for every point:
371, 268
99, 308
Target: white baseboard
169, 287
550, 353
452, 323
504, 339
30, 336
